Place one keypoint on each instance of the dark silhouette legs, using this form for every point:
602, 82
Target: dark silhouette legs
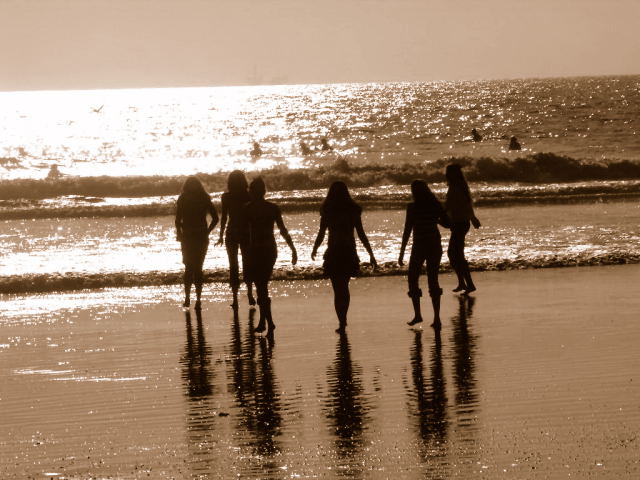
234, 270
455, 252
341, 299
264, 302
193, 275
432, 255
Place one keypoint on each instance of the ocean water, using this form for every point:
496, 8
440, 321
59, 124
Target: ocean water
188, 130
570, 197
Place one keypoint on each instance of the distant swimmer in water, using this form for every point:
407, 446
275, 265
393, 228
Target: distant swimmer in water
261, 216
514, 144
54, 172
325, 145
256, 151
305, 149
475, 135
194, 204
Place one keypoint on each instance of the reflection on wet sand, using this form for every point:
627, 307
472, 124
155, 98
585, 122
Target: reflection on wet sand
428, 403
197, 376
256, 395
347, 410
464, 342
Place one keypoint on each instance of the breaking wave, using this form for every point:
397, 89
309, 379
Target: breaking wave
539, 178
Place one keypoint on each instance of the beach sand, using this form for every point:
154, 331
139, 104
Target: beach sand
535, 376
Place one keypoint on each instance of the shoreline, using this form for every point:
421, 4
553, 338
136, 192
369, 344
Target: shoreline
56, 282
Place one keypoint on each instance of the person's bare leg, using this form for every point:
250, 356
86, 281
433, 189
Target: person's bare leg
188, 281
264, 303
341, 300
435, 302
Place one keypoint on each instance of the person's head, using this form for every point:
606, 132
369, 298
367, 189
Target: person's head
421, 192
455, 178
192, 187
257, 189
454, 175
338, 198
237, 182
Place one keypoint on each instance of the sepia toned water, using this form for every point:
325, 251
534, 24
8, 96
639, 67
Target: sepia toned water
143, 250
187, 130
534, 377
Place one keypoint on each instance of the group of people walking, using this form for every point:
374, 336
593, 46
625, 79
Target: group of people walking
247, 228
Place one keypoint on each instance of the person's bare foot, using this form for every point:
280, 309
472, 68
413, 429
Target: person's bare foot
415, 321
470, 289
186, 303
252, 301
460, 288
198, 305
436, 325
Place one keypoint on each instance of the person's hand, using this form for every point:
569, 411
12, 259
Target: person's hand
179, 236
219, 242
373, 262
313, 253
294, 257
475, 222
401, 260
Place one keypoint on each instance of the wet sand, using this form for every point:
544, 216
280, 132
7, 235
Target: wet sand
535, 376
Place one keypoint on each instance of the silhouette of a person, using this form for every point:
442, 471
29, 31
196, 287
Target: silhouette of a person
256, 151
234, 201
459, 207
422, 218
305, 149
475, 135
262, 215
341, 216
325, 145
54, 172
193, 206
514, 144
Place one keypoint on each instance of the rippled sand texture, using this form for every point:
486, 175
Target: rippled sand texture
534, 377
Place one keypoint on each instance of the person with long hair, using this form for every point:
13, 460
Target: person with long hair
234, 201
193, 206
341, 216
261, 216
459, 208
422, 218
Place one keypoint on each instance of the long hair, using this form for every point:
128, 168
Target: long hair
237, 183
338, 199
456, 180
422, 194
194, 190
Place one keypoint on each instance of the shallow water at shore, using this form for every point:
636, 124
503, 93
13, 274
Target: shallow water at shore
536, 377
71, 253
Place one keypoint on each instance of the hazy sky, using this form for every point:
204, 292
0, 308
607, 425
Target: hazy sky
71, 44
